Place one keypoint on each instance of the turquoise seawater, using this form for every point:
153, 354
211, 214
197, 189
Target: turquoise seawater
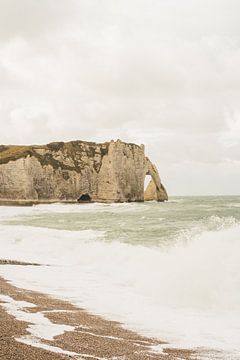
169, 270
149, 223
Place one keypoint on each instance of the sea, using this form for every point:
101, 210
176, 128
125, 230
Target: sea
167, 270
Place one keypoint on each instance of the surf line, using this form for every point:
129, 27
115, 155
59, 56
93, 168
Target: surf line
40, 327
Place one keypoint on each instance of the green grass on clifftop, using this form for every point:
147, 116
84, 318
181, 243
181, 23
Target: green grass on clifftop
14, 152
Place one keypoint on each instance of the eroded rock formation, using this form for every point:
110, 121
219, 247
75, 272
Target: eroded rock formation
77, 171
151, 193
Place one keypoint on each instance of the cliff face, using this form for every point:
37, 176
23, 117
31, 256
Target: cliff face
77, 170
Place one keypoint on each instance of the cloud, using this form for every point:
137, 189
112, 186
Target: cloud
161, 72
30, 18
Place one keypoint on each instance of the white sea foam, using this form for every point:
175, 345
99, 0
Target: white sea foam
40, 327
233, 205
47, 246
187, 294
7, 212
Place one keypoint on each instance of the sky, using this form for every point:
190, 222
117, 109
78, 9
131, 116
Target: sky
165, 73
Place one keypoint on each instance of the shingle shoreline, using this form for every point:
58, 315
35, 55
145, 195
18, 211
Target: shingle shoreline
93, 336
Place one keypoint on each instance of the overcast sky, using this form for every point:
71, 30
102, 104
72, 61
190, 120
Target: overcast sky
161, 72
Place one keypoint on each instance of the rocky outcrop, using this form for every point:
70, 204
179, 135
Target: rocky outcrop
76, 171
151, 193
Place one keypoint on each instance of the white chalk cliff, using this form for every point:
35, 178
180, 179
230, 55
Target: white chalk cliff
77, 171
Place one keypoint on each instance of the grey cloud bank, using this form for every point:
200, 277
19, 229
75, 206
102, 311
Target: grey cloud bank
163, 73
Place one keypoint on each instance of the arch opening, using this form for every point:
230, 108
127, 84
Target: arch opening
150, 190
147, 181
84, 198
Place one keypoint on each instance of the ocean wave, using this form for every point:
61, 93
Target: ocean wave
216, 222
10, 212
187, 294
233, 205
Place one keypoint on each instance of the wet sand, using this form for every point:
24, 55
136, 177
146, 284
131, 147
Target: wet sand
92, 337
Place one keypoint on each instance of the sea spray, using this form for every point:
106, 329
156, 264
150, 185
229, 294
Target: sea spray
185, 290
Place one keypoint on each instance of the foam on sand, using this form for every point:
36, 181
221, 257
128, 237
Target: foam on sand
187, 295
40, 327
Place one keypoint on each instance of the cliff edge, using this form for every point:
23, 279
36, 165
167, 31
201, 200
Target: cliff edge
77, 171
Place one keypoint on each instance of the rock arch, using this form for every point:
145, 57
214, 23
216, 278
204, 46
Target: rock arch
77, 170
155, 189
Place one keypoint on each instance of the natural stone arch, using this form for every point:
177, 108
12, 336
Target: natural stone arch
150, 192
108, 172
155, 190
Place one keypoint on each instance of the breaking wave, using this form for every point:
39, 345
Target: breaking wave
187, 293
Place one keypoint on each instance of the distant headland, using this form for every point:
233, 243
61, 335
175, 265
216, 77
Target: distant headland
80, 171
